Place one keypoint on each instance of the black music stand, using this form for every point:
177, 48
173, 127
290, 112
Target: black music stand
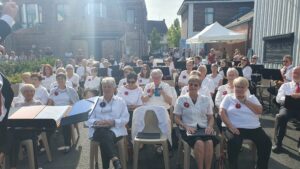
180, 65
208, 68
271, 74
257, 68
137, 69
240, 70
102, 72
166, 72
291, 103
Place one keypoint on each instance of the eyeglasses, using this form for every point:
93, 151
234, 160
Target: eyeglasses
193, 84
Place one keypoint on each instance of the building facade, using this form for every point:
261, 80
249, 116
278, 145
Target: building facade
276, 31
97, 28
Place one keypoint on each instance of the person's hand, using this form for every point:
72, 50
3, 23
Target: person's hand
209, 131
190, 130
10, 8
105, 123
234, 130
150, 92
295, 95
2, 49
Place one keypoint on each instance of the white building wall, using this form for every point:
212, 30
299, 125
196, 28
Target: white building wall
276, 17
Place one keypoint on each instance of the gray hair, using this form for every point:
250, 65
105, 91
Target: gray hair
202, 66
109, 81
156, 71
27, 87
232, 69
69, 66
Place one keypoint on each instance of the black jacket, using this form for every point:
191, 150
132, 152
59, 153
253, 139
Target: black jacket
8, 95
5, 30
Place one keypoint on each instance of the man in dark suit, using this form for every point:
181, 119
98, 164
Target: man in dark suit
10, 10
6, 97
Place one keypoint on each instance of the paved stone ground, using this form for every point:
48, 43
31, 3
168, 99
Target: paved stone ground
78, 158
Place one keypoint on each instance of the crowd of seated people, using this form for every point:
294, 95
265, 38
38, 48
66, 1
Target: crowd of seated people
124, 86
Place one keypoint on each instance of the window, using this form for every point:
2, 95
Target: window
130, 16
96, 9
31, 15
62, 12
209, 16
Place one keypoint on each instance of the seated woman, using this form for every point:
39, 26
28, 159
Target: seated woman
131, 93
107, 123
157, 92
72, 76
184, 75
126, 71
240, 113
63, 95
215, 77
15, 137
26, 79
41, 92
144, 75
48, 76
187, 108
55, 85
92, 82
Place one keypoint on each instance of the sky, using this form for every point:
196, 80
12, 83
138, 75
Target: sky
163, 9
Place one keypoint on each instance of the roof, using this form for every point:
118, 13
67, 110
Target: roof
160, 26
186, 2
241, 19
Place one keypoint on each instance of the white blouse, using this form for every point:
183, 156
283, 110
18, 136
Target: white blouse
158, 100
285, 89
115, 110
131, 97
239, 114
247, 72
143, 81
92, 83
63, 97
215, 80
208, 83
75, 80
183, 77
41, 94
55, 85
47, 81
193, 114
122, 82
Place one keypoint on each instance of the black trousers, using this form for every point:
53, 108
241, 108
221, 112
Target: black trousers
67, 135
3, 131
107, 140
260, 139
283, 117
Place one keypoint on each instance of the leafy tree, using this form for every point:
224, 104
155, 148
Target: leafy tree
155, 39
174, 34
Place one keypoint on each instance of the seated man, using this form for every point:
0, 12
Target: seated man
287, 89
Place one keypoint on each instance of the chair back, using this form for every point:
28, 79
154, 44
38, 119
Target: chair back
151, 122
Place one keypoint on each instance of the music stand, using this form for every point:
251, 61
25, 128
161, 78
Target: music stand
257, 68
137, 69
240, 70
166, 72
102, 72
208, 68
180, 65
271, 74
291, 103
160, 64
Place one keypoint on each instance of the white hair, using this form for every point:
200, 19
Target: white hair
109, 81
27, 87
232, 69
156, 71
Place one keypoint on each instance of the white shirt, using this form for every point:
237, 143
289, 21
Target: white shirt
47, 81
122, 82
41, 94
193, 114
183, 77
115, 110
288, 74
80, 71
207, 82
143, 81
131, 97
247, 72
75, 80
241, 117
158, 100
3, 102
92, 83
223, 91
285, 89
216, 80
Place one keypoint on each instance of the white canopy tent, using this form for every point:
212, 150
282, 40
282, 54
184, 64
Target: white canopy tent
215, 33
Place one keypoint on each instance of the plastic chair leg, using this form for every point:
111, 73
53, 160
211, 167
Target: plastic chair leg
166, 155
46, 145
136, 154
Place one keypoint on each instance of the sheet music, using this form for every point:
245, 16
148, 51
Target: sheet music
29, 112
53, 112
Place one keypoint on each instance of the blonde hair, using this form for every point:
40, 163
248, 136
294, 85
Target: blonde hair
195, 78
195, 73
109, 81
241, 81
25, 74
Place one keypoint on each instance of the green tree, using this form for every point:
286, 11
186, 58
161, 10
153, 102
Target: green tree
174, 34
155, 39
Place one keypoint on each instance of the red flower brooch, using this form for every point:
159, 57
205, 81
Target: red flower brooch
186, 104
126, 93
225, 92
56, 93
148, 91
184, 77
238, 105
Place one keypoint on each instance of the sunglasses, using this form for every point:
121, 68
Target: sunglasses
193, 84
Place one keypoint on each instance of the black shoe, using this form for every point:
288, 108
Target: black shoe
117, 164
276, 149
